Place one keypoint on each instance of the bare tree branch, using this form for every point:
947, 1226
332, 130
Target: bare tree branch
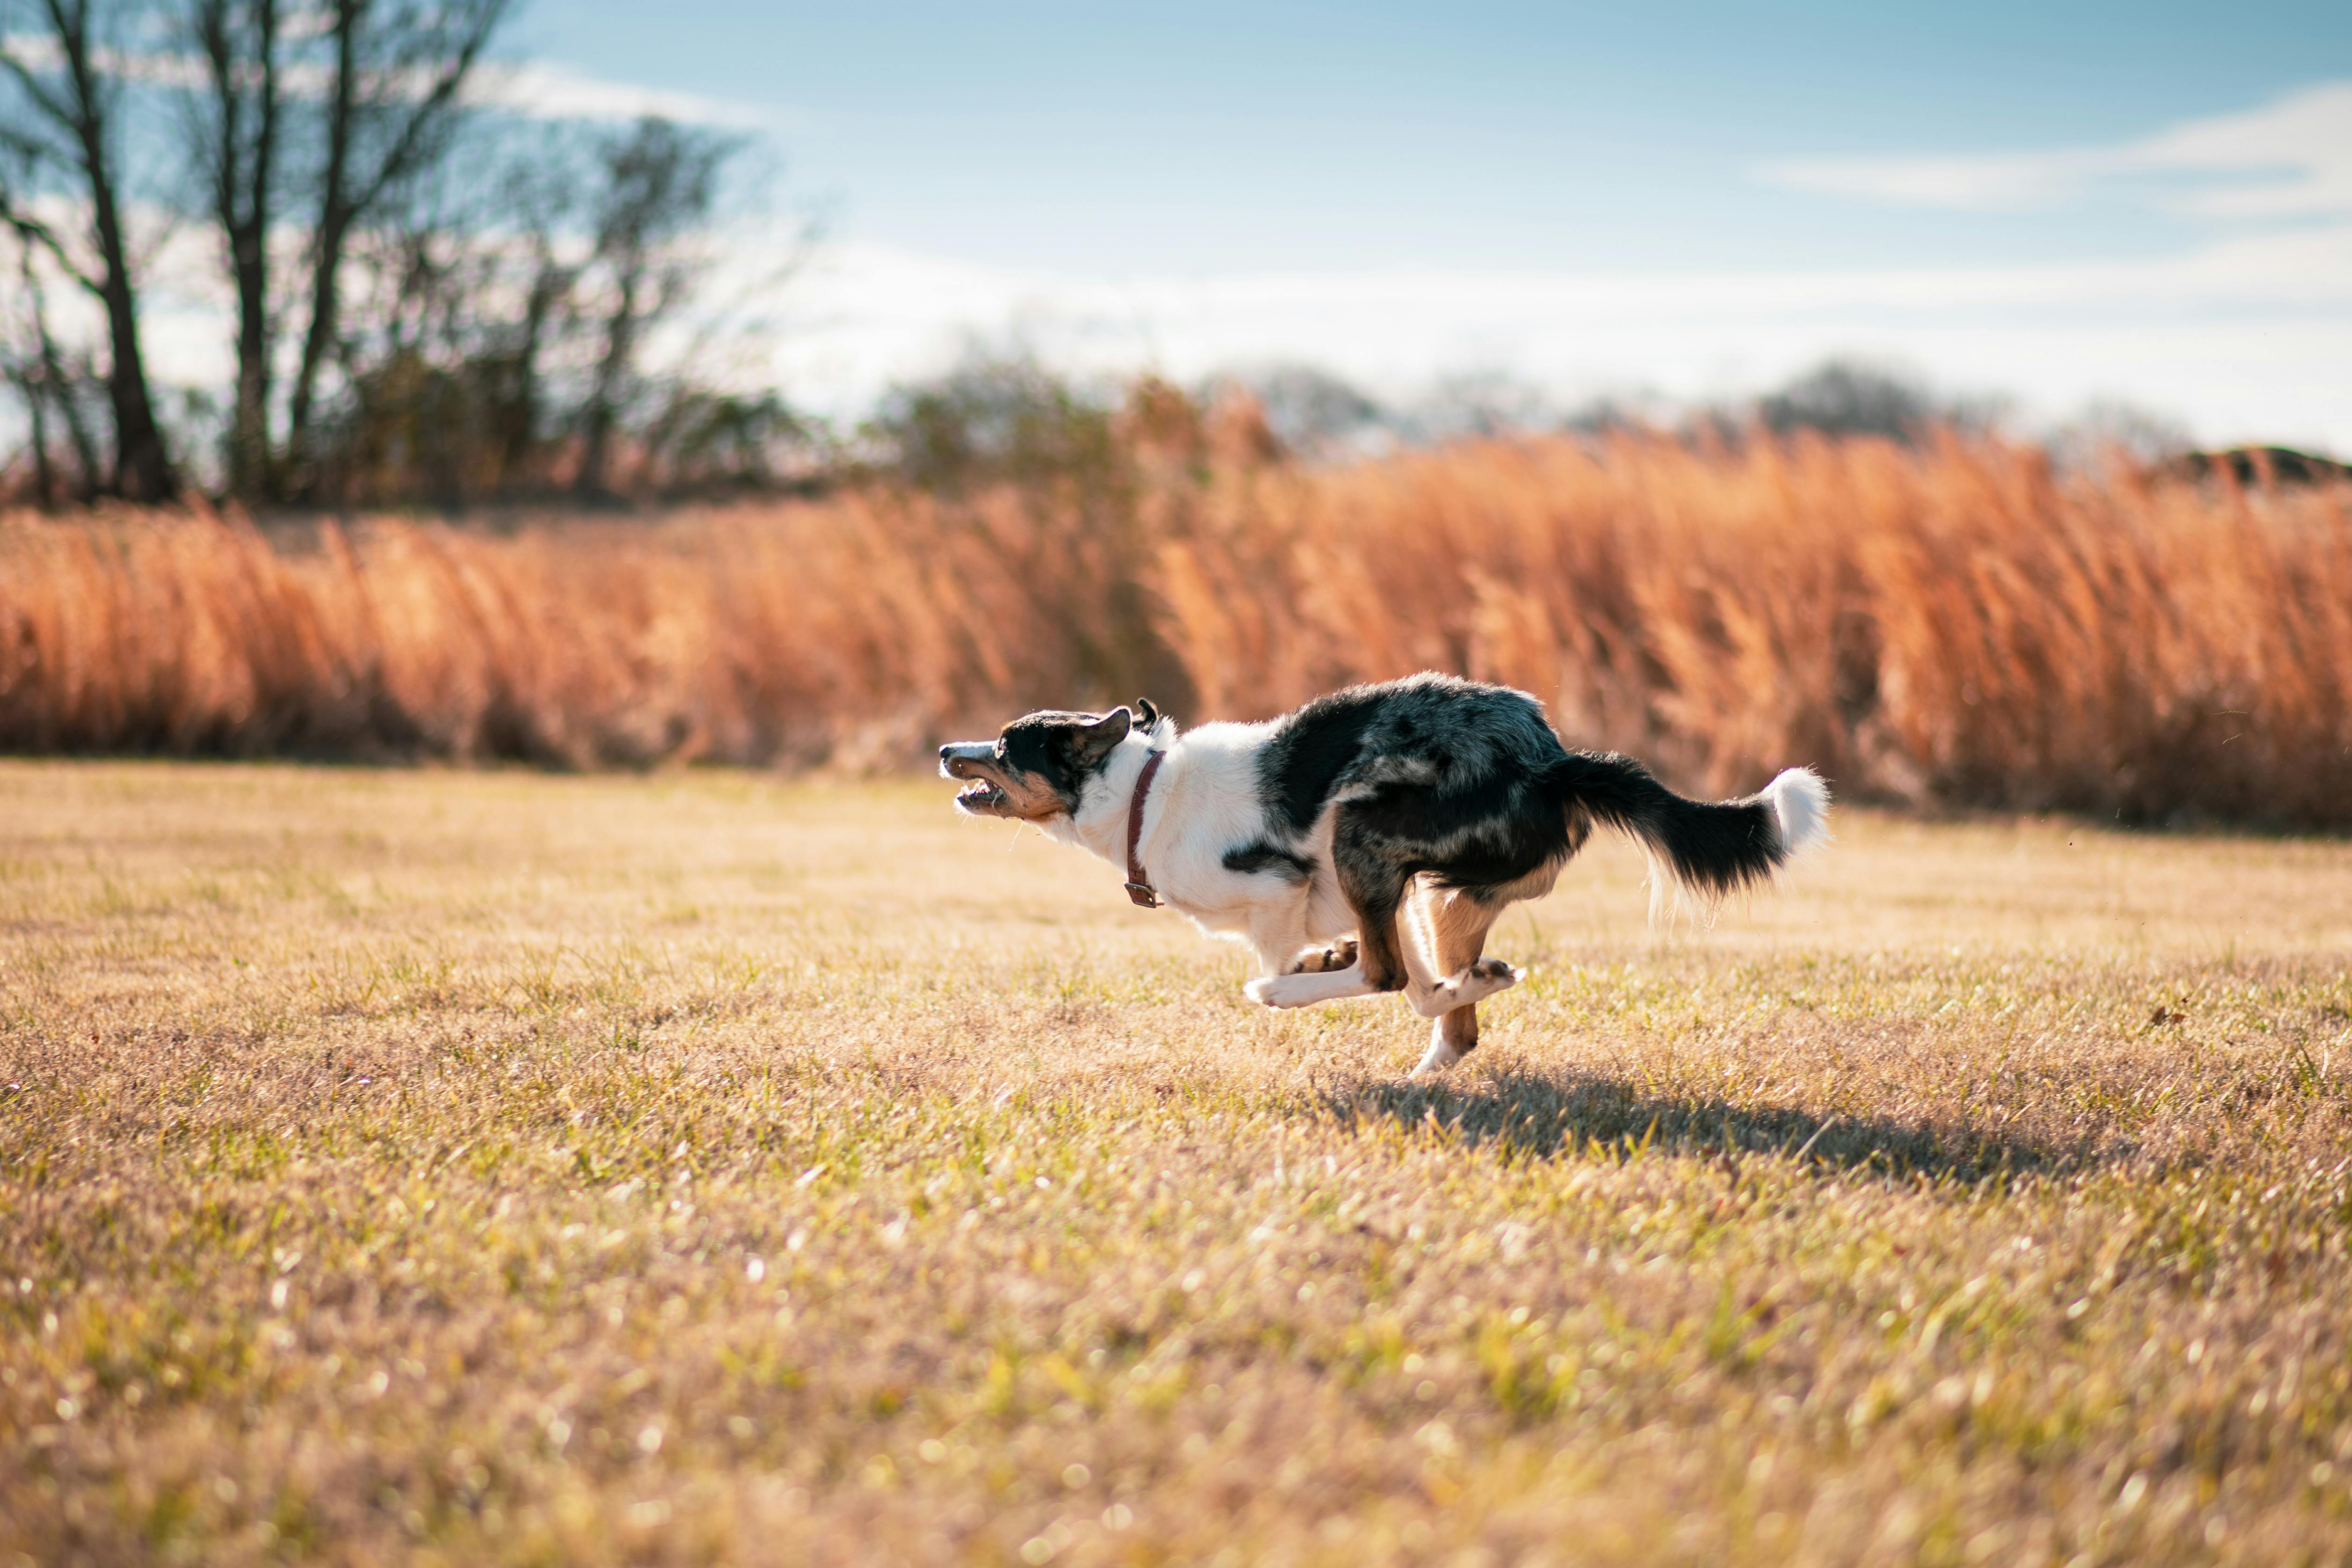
445, 41
80, 112
235, 122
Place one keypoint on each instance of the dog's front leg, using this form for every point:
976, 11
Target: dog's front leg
1306, 989
1454, 1035
1374, 887
1277, 933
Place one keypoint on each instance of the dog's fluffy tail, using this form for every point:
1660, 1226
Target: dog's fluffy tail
1708, 848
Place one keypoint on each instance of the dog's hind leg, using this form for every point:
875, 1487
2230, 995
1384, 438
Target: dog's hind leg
1451, 1036
1458, 922
1374, 886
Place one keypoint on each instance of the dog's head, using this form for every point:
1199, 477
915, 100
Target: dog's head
1038, 769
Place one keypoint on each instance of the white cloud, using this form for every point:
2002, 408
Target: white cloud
2243, 335
2243, 338
39, 53
541, 91
552, 91
2291, 158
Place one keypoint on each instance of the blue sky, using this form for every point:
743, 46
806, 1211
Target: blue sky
2149, 202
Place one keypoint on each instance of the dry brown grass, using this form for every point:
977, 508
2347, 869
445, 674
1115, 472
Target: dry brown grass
1956, 625
485, 1168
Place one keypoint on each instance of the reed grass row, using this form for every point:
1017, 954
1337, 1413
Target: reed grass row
1955, 624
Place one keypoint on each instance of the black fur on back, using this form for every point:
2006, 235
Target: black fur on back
1311, 747
1467, 781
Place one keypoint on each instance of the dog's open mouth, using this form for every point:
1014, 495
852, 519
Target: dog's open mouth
982, 796
987, 791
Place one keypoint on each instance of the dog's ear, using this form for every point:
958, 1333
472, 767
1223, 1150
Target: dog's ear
1092, 743
1146, 713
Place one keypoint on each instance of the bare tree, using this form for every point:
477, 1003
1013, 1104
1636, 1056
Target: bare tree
238, 120
71, 131
397, 70
409, 318
459, 293
317, 113
20, 362
47, 385
539, 196
1849, 398
660, 182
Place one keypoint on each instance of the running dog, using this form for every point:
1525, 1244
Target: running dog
1433, 799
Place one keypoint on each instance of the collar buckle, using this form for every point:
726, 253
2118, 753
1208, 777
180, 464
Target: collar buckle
1139, 884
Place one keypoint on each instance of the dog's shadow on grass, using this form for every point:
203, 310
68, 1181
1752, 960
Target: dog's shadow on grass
1548, 1116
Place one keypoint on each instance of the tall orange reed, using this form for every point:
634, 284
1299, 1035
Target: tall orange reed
1958, 625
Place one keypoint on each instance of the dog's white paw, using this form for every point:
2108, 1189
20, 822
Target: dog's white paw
1304, 990
1469, 988
1285, 990
1441, 1055
1488, 976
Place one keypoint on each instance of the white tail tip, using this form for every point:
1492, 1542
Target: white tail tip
1801, 806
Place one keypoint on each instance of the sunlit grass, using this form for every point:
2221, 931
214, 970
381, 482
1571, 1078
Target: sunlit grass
485, 1168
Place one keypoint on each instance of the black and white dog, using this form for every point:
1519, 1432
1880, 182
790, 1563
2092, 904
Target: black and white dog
1439, 800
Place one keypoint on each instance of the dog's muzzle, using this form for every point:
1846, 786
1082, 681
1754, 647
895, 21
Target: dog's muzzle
964, 760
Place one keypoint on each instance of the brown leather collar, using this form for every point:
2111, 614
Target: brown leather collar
1137, 888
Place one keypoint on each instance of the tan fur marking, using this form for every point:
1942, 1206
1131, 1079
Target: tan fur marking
1455, 926
1026, 797
1340, 954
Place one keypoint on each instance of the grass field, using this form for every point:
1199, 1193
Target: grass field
488, 1168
